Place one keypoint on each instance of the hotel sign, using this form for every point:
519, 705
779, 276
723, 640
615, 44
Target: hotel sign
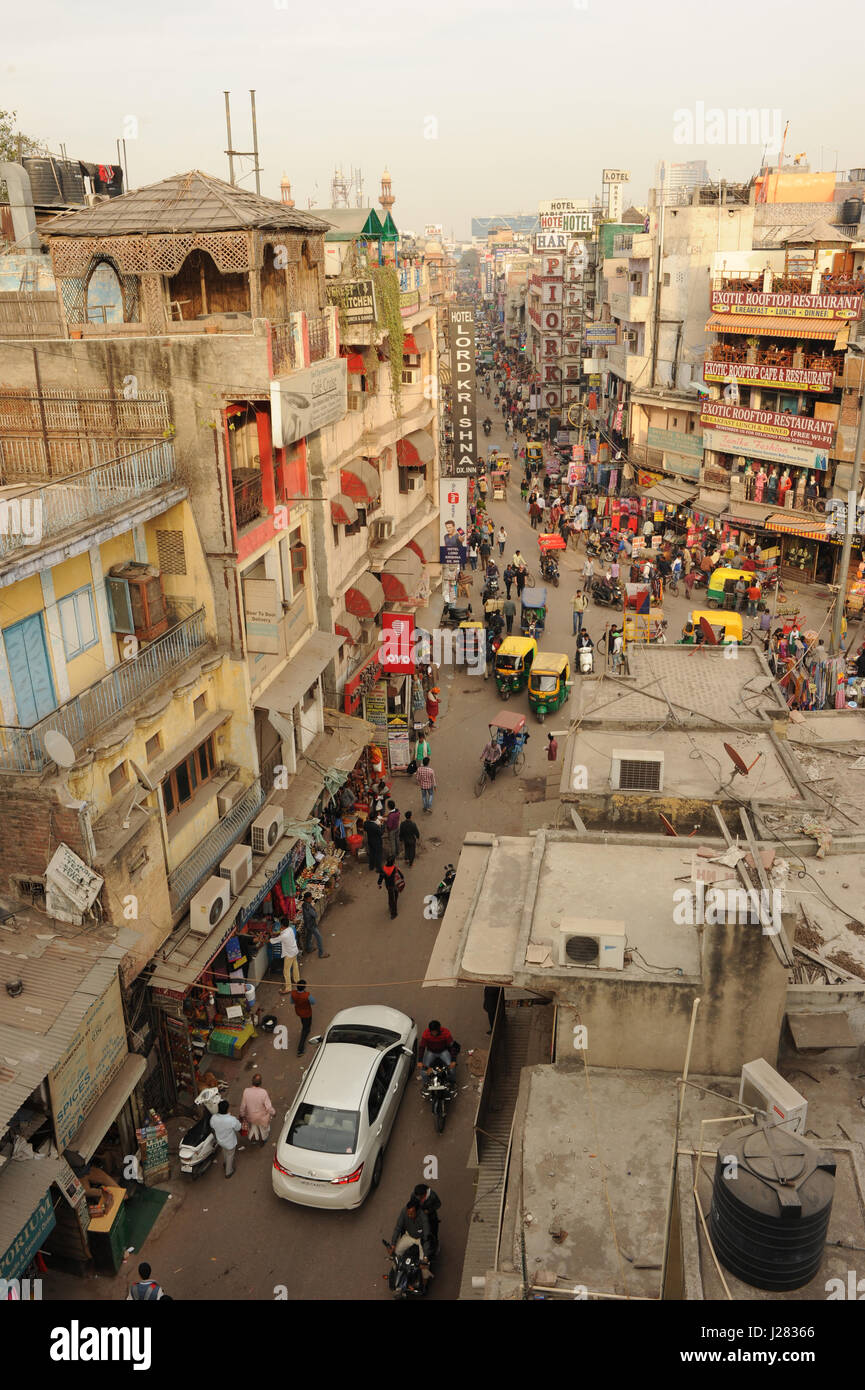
806, 306
463, 407
571, 222
756, 374
767, 424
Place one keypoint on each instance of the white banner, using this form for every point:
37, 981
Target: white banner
453, 520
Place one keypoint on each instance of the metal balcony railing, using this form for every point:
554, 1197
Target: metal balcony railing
318, 340
80, 719
283, 349
197, 866
27, 518
248, 503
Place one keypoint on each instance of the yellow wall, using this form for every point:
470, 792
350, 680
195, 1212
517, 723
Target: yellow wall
20, 600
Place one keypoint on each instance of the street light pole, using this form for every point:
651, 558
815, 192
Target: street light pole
850, 521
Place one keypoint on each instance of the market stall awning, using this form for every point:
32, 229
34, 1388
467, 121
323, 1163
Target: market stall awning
423, 338
710, 503
24, 1187
343, 512
355, 364
97, 1124
806, 526
415, 450
301, 672
747, 514
365, 597
409, 346
347, 625
338, 749
401, 576
674, 493
757, 325
360, 481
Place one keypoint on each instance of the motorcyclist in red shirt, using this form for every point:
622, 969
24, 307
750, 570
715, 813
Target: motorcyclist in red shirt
436, 1043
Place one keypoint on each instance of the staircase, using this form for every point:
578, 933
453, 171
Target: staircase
521, 1039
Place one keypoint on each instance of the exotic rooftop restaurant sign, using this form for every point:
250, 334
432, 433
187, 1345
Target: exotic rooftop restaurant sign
806, 306
796, 429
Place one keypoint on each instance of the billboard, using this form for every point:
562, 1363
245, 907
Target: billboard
798, 429
809, 306
551, 241
572, 222
597, 333
617, 176
307, 400
93, 1060
453, 520
355, 299
562, 206
463, 404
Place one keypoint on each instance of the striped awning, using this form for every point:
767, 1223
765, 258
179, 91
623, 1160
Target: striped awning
365, 597
804, 527
401, 576
758, 325
347, 625
360, 481
343, 512
415, 449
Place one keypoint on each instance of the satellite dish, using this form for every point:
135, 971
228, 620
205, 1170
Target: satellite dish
58, 748
145, 780
708, 632
738, 761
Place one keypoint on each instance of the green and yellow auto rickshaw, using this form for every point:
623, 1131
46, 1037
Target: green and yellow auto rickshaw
721, 591
549, 683
514, 660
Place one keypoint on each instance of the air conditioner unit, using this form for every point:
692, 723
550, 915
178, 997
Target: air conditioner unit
762, 1087
415, 482
587, 942
209, 905
237, 868
631, 340
93, 200
136, 600
382, 528
227, 797
637, 770
267, 829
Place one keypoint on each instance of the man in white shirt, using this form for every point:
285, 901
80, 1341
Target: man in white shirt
226, 1128
287, 942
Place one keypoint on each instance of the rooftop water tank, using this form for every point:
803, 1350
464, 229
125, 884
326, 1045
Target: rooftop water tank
771, 1202
851, 211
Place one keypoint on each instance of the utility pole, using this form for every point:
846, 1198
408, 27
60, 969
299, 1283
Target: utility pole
255, 141
229, 151
242, 154
850, 521
659, 271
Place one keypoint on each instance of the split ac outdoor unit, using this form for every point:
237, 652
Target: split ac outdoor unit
227, 797
382, 528
209, 905
763, 1087
267, 829
587, 942
637, 770
237, 868
415, 482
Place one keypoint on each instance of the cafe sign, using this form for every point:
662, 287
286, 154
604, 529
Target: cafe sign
757, 374
806, 306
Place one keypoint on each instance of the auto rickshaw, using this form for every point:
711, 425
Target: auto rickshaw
514, 660
722, 585
471, 644
534, 454
727, 626
549, 683
534, 611
549, 541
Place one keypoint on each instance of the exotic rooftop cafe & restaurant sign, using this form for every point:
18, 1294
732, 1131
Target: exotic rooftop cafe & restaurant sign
761, 374
806, 306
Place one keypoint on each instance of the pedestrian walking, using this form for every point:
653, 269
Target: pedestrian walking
616, 647
226, 1128
286, 941
145, 1289
588, 573
473, 556
501, 540
256, 1108
421, 750
409, 835
432, 705
552, 748
311, 932
580, 604
393, 881
521, 579
391, 826
508, 576
492, 994
509, 611
303, 1002
374, 843
753, 599
426, 780
485, 548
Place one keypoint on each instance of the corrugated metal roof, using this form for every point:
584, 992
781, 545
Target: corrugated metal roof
23, 1184
26, 1057
191, 202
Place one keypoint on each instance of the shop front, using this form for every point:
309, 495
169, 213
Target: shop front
807, 553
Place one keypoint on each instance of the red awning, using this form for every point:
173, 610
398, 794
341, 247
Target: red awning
401, 576
347, 625
413, 545
415, 450
356, 364
765, 326
409, 346
360, 481
365, 598
805, 527
343, 512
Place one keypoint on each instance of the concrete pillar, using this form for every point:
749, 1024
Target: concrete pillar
55, 638
103, 616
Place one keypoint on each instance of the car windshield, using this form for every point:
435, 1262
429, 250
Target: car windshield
324, 1131
546, 683
362, 1035
508, 663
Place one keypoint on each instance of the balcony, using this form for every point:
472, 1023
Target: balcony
51, 433
197, 866
629, 308
730, 354
248, 503
107, 701
628, 366
622, 245
38, 515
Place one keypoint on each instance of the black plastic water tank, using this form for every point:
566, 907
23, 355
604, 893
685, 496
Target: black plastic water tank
851, 211
770, 1209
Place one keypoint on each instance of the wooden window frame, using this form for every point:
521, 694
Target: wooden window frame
191, 764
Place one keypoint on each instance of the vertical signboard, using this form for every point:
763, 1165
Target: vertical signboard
462, 340
453, 514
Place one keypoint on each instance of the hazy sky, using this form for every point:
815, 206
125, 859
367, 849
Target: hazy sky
523, 101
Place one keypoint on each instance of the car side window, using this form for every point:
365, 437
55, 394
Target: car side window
376, 1098
387, 1066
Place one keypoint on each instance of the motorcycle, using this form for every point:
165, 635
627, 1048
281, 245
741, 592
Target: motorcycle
439, 1088
405, 1276
198, 1147
550, 570
607, 595
443, 892
487, 426
491, 588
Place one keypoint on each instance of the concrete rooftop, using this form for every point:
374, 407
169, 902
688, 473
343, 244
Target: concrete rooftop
701, 684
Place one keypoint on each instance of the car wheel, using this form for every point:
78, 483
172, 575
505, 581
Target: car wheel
376, 1172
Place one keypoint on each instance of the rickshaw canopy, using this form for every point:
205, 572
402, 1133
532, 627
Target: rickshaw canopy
719, 617
517, 647
534, 598
551, 664
549, 540
721, 576
514, 723
471, 624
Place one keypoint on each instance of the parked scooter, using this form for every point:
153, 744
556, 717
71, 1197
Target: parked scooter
443, 892
405, 1277
586, 658
198, 1147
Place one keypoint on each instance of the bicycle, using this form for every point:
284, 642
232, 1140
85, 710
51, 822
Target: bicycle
673, 586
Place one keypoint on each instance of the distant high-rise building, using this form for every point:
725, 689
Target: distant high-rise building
677, 181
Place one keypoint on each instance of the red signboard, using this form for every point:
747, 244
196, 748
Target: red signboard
364, 680
397, 650
768, 424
